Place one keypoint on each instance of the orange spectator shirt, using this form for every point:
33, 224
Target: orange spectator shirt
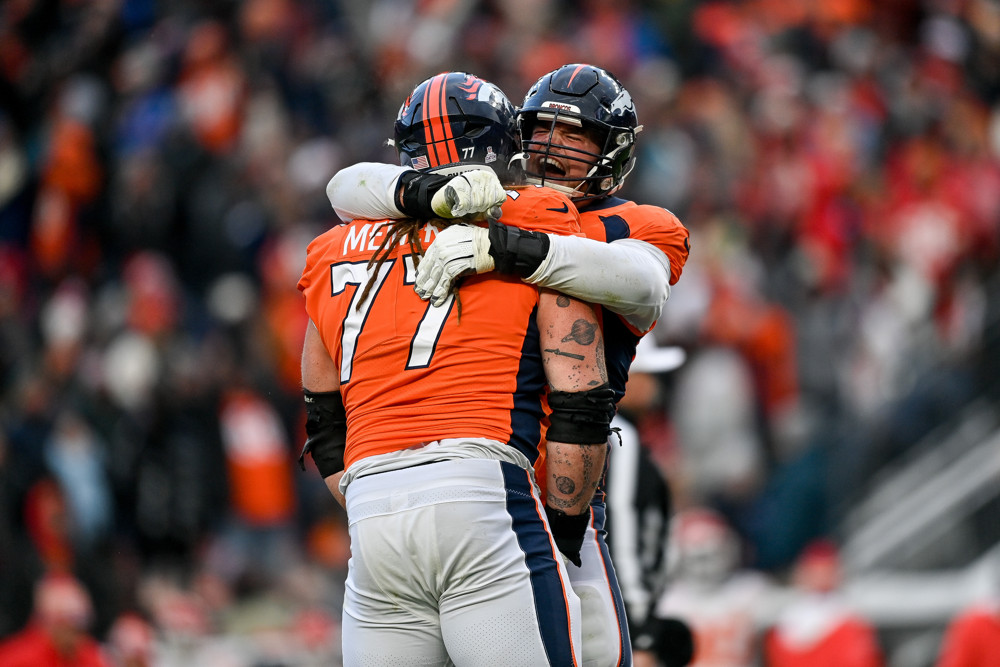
411, 373
261, 486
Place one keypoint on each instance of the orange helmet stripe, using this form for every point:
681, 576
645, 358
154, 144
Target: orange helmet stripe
575, 72
449, 144
441, 147
430, 114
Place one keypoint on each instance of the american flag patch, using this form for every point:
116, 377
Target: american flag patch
419, 162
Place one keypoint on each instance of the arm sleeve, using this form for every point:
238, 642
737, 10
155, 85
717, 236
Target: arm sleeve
628, 277
366, 190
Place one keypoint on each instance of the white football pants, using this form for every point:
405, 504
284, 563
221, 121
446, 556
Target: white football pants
605, 630
452, 563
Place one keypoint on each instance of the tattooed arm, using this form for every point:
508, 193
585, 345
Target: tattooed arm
573, 356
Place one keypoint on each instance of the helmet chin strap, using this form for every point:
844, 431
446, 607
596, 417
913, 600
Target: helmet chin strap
521, 158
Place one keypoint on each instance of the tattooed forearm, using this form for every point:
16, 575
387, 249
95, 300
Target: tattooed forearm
562, 301
582, 333
561, 504
560, 353
602, 367
570, 491
565, 485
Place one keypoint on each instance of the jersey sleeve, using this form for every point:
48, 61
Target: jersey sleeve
313, 251
541, 210
661, 228
317, 268
366, 191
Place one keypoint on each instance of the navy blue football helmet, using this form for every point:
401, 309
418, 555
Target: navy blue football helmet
587, 97
453, 120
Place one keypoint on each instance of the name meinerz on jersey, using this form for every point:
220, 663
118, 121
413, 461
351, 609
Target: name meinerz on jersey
368, 236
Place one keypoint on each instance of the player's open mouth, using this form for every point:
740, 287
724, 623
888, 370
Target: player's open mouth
552, 167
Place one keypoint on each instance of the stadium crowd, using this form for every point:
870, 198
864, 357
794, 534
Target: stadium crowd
162, 168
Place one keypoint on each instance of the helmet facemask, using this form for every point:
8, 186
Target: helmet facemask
606, 169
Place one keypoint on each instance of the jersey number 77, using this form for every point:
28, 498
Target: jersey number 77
356, 274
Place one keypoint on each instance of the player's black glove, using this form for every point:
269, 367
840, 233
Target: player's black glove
670, 638
568, 531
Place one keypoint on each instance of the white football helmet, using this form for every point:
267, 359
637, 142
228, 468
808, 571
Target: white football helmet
703, 548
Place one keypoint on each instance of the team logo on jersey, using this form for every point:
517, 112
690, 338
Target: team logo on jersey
490, 155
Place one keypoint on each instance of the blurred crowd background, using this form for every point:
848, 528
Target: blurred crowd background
162, 168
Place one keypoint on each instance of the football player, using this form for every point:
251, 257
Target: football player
578, 125
425, 420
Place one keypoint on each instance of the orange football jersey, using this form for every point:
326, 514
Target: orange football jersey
411, 373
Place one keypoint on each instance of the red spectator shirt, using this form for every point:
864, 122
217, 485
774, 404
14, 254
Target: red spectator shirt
31, 647
973, 639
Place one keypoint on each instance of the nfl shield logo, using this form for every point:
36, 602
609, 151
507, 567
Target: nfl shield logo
490, 155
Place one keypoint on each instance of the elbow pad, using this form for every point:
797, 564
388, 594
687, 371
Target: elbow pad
326, 431
517, 251
414, 193
581, 417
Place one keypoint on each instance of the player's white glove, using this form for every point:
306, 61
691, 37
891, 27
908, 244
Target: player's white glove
472, 192
457, 250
